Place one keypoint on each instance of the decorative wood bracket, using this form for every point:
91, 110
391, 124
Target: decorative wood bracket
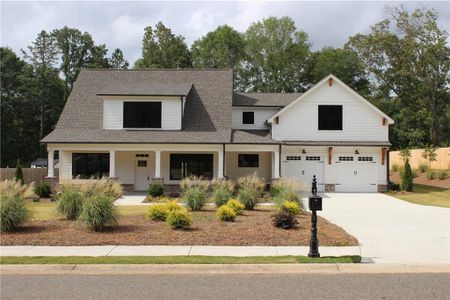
383, 155
330, 155
330, 81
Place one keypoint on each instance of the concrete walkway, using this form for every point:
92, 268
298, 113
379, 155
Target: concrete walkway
170, 251
390, 230
132, 199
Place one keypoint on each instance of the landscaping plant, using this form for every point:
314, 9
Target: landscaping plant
431, 174
18, 175
194, 198
173, 205
13, 188
394, 168
13, 212
422, 168
407, 178
43, 189
69, 203
251, 182
236, 205
194, 182
179, 219
220, 195
290, 206
430, 154
442, 174
100, 187
249, 197
156, 189
158, 212
98, 213
226, 213
285, 220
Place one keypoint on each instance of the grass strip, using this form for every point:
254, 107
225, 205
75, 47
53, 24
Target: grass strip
38, 260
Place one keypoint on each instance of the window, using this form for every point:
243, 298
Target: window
141, 114
365, 158
345, 158
292, 157
142, 163
90, 165
313, 158
330, 117
185, 165
248, 160
248, 117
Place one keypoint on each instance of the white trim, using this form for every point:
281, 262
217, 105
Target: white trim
112, 163
157, 164
50, 163
316, 86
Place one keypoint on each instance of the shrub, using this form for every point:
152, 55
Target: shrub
442, 174
249, 197
14, 188
194, 198
284, 220
251, 182
226, 213
155, 189
194, 182
274, 191
393, 186
394, 168
422, 168
13, 212
224, 184
290, 206
70, 204
98, 213
431, 174
220, 196
158, 212
178, 219
236, 205
18, 175
407, 178
43, 189
100, 187
172, 205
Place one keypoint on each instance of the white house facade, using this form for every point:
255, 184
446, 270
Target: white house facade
141, 126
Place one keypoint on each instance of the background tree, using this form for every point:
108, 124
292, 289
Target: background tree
117, 61
221, 48
408, 57
275, 57
163, 49
407, 177
18, 174
430, 154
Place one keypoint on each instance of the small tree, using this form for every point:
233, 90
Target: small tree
19, 173
407, 177
405, 154
429, 153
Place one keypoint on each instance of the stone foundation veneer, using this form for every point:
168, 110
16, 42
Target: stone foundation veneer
52, 181
171, 189
330, 187
381, 188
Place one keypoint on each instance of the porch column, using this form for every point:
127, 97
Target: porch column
50, 163
112, 163
276, 164
158, 163
220, 165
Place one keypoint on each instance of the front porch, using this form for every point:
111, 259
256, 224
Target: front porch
136, 166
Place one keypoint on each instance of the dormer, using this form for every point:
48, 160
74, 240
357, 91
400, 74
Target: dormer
149, 107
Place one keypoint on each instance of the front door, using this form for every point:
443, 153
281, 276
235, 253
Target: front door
142, 180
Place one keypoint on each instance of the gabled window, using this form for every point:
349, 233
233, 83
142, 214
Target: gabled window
248, 160
141, 114
248, 117
330, 117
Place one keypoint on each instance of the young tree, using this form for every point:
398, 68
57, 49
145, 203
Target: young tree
163, 49
221, 48
429, 153
405, 154
117, 61
407, 177
18, 175
275, 57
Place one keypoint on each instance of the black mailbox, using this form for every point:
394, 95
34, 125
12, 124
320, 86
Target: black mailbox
315, 202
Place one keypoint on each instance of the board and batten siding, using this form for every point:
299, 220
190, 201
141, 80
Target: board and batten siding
360, 122
261, 116
170, 119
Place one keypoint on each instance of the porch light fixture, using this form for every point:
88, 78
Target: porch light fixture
303, 151
356, 152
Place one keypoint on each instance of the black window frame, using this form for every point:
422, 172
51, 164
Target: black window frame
183, 165
90, 165
137, 116
247, 160
248, 117
330, 117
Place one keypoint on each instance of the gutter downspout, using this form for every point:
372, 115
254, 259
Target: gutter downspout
223, 162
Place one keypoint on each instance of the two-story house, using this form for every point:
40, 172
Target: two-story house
144, 125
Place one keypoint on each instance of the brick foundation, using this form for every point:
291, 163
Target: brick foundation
173, 190
381, 188
330, 187
128, 187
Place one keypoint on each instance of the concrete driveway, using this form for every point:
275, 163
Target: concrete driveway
391, 230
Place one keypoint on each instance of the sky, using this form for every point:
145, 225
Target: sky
120, 24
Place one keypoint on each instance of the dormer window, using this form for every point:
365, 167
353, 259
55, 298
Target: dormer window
330, 117
142, 114
248, 117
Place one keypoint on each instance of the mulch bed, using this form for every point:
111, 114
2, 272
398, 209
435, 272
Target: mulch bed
254, 228
422, 179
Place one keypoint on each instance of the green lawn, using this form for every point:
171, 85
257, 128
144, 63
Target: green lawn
176, 260
426, 195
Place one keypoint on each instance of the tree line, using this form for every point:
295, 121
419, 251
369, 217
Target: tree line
401, 65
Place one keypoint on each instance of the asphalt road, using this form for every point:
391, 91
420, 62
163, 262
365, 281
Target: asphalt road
301, 286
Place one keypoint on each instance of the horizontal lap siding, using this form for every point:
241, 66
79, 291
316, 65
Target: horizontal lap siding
261, 116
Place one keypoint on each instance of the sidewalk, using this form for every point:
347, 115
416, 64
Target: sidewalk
172, 250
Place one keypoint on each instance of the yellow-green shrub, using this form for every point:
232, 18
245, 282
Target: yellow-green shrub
158, 212
291, 206
172, 205
236, 205
179, 219
225, 213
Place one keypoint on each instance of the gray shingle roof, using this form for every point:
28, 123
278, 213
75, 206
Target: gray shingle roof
207, 115
144, 88
264, 99
239, 136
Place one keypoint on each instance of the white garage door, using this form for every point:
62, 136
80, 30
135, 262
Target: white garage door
356, 173
303, 167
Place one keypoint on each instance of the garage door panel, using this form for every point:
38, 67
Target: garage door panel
356, 173
304, 167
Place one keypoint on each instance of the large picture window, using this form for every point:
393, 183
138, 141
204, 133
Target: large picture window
141, 114
185, 165
330, 117
90, 165
248, 160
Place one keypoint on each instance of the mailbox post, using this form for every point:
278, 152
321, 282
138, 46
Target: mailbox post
315, 204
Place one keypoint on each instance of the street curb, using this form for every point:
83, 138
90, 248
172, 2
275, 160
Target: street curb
218, 269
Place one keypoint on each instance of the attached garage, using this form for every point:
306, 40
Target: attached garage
356, 173
304, 167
